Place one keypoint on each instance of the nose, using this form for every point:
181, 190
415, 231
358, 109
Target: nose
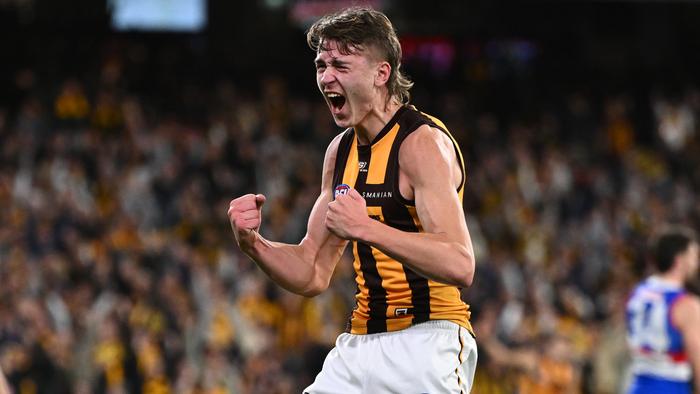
327, 76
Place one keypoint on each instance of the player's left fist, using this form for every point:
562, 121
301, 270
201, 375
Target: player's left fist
346, 216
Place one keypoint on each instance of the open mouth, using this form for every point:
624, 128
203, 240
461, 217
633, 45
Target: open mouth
336, 100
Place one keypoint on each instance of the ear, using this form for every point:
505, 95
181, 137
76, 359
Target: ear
383, 74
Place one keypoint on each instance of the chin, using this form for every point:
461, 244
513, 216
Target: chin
344, 123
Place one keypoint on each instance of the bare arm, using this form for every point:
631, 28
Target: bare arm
444, 251
686, 316
305, 268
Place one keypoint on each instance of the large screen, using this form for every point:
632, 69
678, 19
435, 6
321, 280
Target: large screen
159, 15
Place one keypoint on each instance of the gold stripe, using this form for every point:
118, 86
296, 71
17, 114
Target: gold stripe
446, 304
414, 215
375, 211
351, 165
393, 280
459, 357
461, 344
380, 157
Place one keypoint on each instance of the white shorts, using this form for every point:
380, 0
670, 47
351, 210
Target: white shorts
433, 357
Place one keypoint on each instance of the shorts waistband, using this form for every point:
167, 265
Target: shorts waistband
435, 325
431, 325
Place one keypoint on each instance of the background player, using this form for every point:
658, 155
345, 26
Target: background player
663, 320
410, 261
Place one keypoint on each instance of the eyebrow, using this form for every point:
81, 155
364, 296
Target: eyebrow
334, 62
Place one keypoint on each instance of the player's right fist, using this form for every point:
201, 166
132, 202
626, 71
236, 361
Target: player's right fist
245, 215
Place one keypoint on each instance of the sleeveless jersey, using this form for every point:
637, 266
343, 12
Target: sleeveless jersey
391, 296
657, 346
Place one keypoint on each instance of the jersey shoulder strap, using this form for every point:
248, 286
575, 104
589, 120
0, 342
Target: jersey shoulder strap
341, 157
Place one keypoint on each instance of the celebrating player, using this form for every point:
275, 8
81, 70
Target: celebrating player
392, 185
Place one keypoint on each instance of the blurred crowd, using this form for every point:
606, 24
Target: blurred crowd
119, 272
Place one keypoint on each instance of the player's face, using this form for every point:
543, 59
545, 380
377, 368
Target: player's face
346, 82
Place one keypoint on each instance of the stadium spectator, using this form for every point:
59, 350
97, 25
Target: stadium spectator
118, 274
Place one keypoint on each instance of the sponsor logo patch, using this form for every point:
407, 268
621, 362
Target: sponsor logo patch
341, 189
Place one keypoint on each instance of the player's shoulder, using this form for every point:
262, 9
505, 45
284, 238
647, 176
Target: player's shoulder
329, 161
332, 149
425, 142
426, 157
428, 129
690, 302
686, 309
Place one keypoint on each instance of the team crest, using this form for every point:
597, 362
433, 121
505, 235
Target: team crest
341, 189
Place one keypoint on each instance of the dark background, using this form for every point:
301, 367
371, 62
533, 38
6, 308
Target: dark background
619, 45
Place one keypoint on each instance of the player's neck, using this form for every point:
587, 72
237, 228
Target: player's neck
377, 117
673, 277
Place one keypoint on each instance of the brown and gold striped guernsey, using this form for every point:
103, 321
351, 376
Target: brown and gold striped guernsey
389, 295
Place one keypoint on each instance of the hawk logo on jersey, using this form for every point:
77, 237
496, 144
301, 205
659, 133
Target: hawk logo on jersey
401, 312
341, 189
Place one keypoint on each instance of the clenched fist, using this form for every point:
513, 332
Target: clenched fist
347, 215
245, 215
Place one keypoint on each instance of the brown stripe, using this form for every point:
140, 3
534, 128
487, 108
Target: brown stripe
377, 294
362, 296
420, 286
420, 296
368, 264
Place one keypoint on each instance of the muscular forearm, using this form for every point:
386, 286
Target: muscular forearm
285, 264
431, 255
294, 267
